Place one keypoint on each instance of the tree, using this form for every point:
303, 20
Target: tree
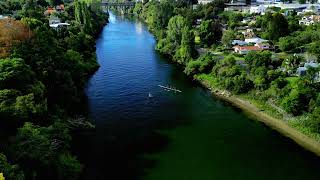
192, 68
227, 37
314, 121
242, 84
292, 62
177, 26
83, 15
55, 2
314, 48
68, 167
257, 59
186, 49
277, 27
9, 171
297, 102
15, 74
175, 29
287, 43
212, 9
38, 147
12, 32
210, 32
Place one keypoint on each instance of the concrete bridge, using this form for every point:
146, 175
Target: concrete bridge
122, 7
127, 4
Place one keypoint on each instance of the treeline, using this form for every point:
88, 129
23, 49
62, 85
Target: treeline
41, 87
258, 75
173, 22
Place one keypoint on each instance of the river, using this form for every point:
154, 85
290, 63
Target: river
180, 136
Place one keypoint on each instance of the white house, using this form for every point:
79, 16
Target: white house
255, 40
3, 17
301, 71
238, 42
55, 23
309, 20
258, 9
204, 1
54, 20
246, 49
58, 26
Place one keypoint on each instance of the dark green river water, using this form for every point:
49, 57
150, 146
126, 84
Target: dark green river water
173, 136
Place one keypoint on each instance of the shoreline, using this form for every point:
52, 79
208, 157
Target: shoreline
279, 125
306, 142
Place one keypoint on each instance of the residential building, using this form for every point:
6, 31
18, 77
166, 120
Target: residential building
60, 8
49, 11
54, 20
255, 40
301, 71
248, 33
309, 20
57, 9
258, 9
246, 49
3, 17
238, 42
59, 26
204, 1
55, 23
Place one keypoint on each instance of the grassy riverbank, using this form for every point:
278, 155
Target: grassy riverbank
265, 114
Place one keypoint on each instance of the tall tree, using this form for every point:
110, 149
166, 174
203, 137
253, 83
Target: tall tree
210, 32
277, 27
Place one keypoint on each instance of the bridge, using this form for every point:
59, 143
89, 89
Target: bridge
127, 4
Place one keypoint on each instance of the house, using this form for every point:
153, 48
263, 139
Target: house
60, 8
55, 23
54, 20
247, 20
263, 45
237, 6
204, 1
246, 49
238, 42
309, 20
301, 71
3, 17
59, 26
258, 9
248, 33
255, 40
50, 11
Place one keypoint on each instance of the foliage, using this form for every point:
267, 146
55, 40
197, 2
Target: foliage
315, 120
12, 32
41, 80
210, 32
227, 37
203, 64
277, 27
9, 171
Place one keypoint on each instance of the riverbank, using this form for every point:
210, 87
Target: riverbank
279, 125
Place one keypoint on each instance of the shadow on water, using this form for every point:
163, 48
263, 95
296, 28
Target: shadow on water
120, 156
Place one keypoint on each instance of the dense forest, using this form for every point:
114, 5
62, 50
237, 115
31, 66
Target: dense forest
42, 74
266, 78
